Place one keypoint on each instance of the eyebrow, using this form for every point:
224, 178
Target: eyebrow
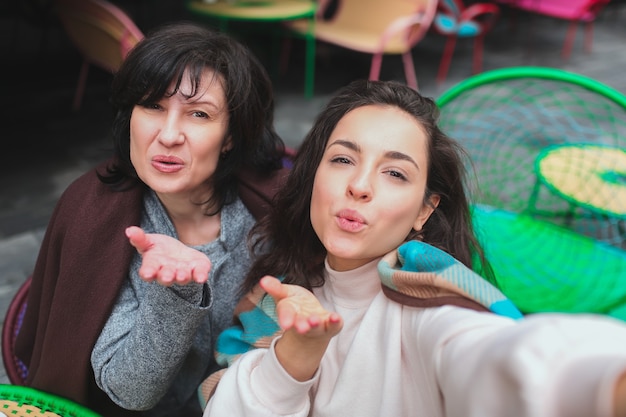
208, 101
390, 154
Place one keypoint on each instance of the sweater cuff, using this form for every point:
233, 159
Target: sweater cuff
588, 387
194, 293
276, 389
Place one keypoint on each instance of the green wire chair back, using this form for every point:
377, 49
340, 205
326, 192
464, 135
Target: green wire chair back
547, 163
505, 118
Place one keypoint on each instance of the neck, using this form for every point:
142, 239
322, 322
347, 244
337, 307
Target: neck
192, 224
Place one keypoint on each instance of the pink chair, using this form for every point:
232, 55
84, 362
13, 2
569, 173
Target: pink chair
454, 20
101, 31
574, 11
15, 369
374, 27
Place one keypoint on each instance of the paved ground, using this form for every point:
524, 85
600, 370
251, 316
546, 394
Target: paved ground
46, 145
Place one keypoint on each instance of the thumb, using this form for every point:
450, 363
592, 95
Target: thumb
138, 239
273, 287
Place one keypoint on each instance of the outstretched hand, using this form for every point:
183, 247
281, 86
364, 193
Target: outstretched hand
166, 260
298, 309
308, 327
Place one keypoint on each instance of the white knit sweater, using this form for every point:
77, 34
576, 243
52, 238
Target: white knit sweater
394, 360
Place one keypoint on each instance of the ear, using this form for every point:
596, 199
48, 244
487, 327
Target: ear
227, 145
426, 211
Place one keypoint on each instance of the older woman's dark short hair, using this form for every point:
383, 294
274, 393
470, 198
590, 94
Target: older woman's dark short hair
159, 62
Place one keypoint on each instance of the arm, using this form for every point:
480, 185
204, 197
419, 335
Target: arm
271, 379
163, 337
546, 364
145, 341
620, 397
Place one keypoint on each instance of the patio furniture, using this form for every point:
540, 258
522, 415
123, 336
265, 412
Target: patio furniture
589, 177
505, 118
20, 401
546, 160
101, 31
391, 27
573, 11
265, 11
543, 267
15, 369
455, 21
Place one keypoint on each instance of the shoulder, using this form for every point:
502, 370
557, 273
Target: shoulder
258, 191
88, 190
237, 220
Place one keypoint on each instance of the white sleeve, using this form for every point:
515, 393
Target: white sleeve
257, 385
553, 365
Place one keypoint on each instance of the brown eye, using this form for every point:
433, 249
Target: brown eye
152, 106
340, 160
201, 114
397, 175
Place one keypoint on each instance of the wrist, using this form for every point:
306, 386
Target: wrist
300, 356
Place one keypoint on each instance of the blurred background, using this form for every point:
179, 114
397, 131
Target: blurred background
46, 143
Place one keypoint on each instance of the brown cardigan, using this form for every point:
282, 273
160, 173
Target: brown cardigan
83, 260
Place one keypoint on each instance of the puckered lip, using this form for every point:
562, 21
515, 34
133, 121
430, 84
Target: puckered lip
168, 159
351, 215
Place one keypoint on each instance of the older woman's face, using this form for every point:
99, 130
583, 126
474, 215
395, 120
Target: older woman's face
369, 188
175, 143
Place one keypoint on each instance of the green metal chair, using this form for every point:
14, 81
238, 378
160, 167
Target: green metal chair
543, 267
20, 401
505, 118
556, 240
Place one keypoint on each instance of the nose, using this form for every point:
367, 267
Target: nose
360, 186
171, 133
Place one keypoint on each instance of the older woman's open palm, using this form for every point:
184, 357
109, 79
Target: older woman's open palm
167, 260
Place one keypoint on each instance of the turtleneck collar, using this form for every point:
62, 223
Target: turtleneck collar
355, 288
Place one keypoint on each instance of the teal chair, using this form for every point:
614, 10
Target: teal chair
455, 21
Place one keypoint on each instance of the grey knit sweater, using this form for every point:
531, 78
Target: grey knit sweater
157, 345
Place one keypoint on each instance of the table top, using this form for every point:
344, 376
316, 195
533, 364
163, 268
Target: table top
270, 10
590, 176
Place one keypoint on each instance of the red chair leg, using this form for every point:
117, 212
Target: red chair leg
377, 61
409, 70
80, 87
569, 40
448, 50
588, 36
478, 54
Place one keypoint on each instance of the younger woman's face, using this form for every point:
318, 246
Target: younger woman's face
369, 188
175, 143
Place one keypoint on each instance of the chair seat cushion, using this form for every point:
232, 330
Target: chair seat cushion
560, 9
449, 25
541, 266
358, 39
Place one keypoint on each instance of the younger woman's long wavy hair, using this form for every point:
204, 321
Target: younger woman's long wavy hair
296, 253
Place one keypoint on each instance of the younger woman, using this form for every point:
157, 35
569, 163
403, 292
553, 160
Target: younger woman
374, 315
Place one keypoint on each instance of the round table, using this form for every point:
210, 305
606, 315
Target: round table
588, 176
268, 11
